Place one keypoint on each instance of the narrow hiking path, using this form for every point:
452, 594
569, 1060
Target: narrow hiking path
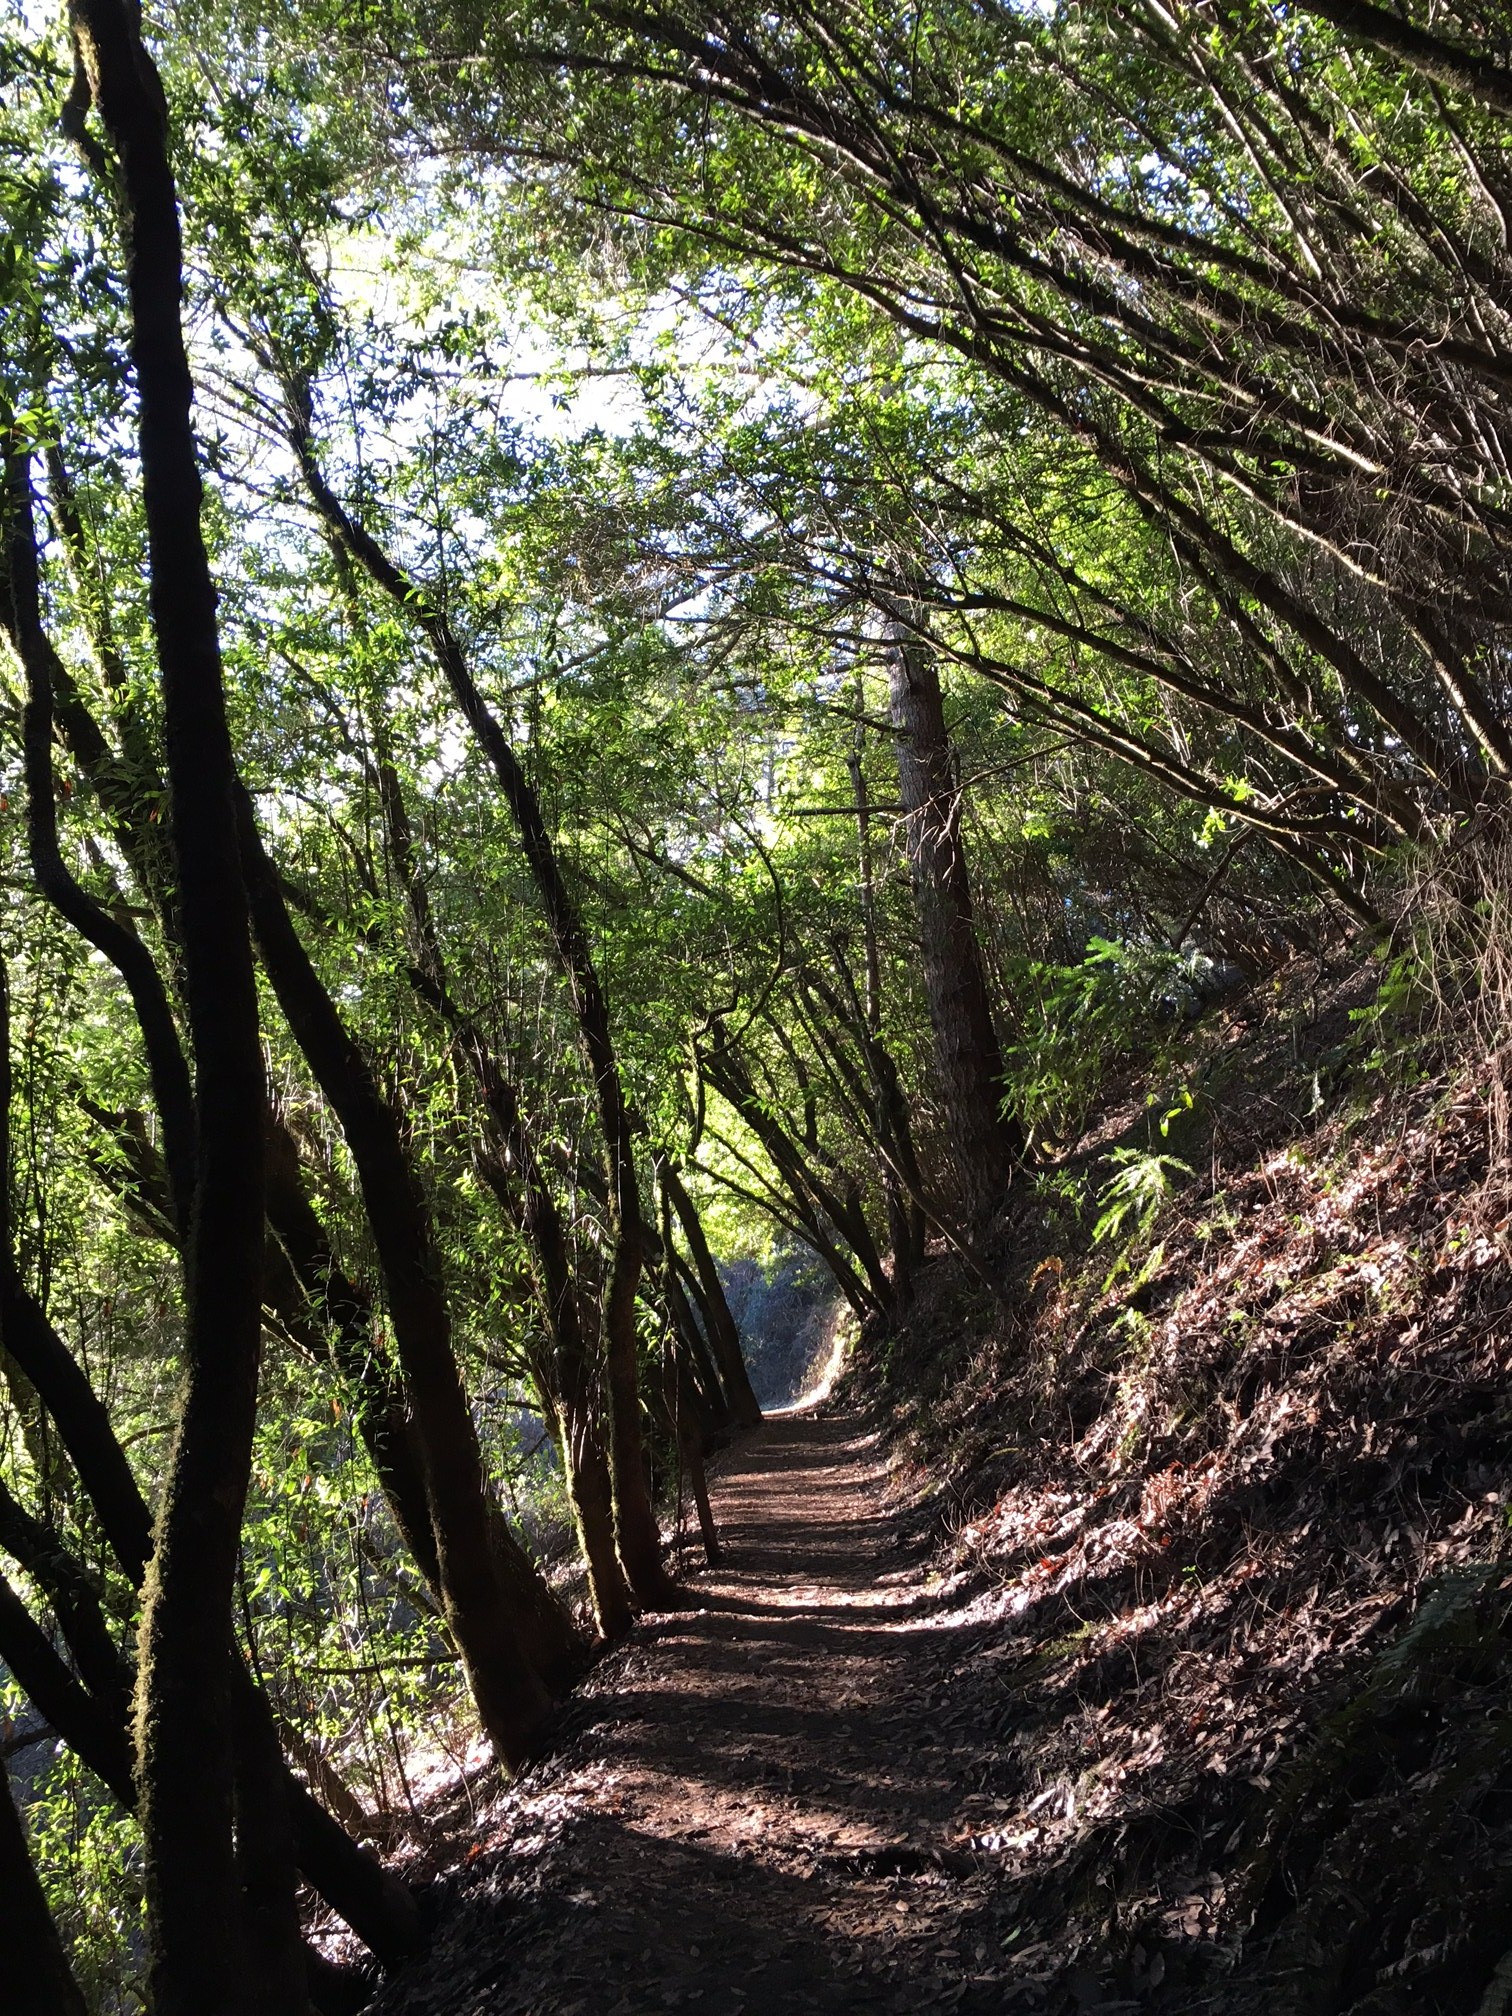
752, 1805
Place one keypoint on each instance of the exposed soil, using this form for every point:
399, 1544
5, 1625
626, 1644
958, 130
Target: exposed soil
753, 1805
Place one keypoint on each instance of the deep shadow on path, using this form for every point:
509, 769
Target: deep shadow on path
748, 1808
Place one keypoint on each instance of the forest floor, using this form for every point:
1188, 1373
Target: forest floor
754, 1805
1143, 1644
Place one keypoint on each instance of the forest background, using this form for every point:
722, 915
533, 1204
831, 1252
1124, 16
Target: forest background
747, 608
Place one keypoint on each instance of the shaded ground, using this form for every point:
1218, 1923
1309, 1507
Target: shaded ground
1243, 1486
1162, 1665
752, 1806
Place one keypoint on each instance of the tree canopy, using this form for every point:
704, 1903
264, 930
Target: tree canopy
636, 638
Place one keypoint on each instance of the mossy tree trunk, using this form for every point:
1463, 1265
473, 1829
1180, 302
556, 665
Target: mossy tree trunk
185, 1733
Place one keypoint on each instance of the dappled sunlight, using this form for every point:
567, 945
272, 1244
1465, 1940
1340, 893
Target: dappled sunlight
764, 1766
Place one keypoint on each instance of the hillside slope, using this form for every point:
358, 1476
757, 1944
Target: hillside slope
1237, 1489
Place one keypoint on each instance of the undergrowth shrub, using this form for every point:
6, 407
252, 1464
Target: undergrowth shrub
1446, 988
1122, 1002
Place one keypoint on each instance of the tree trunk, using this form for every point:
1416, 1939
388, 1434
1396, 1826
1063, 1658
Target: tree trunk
75, 1604
354, 1886
382, 1416
390, 1436
585, 1469
21, 614
524, 1193
38, 1978
806, 1193
303, 1278
724, 1332
985, 1146
684, 1412
265, 1862
899, 1218
185, 1737
698, 1477
905, 1220
482, 1614
377, 1905
878, 1108
814, 1198
89, 1727
567, 1384
701, 1377
636, 1532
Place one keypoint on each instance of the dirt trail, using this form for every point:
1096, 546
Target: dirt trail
748, 1808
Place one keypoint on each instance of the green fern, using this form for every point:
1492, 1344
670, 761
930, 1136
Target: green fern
1137, 1190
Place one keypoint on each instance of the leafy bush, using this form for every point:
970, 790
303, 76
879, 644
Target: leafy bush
1085, 1020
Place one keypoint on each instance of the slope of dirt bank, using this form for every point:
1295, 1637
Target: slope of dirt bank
1243, 1497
